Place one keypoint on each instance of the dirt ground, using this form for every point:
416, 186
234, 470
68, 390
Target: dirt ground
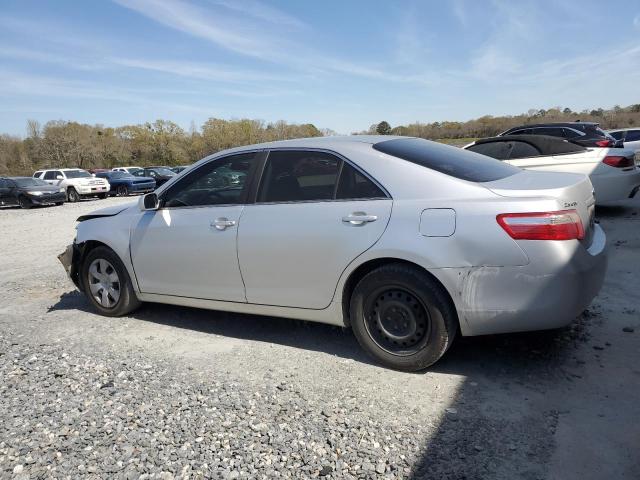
551, 405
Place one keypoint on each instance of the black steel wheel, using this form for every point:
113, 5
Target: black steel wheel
397, 320
122, 191
402, 316
72, 195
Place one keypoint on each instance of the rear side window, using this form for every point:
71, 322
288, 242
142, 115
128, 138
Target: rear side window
617, 135
4, 183
291, 176
551, 131
498, 150
522, 131
632, 136
50, 175
570, 133
354, 185
451, 161
37, 174
522, 150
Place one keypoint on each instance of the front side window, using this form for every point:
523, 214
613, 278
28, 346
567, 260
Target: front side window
522, 150
219, 182
3, 183
293, 176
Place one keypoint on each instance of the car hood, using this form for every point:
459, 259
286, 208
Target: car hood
105, 212
40, 188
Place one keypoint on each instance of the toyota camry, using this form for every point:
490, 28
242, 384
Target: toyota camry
407, 242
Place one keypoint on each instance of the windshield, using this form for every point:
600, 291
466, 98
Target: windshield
452, 161
134, 169
119, 175
30, 182
165, 172
77, 174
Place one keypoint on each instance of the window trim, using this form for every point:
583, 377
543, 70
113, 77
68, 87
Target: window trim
244, 196
259, 177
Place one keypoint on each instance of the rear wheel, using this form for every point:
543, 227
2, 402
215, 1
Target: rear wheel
122, 191
106, 283
72, 195
24, 202
59, 203
402, 317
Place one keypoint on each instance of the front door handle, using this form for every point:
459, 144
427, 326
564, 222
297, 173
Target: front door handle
222, 223
359, 218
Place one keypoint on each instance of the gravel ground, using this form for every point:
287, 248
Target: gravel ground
174, 392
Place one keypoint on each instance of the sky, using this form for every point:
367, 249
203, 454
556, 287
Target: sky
342, 65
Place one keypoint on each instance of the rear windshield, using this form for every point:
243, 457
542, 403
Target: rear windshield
452, 161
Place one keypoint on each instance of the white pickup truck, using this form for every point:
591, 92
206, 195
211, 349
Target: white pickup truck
76, 182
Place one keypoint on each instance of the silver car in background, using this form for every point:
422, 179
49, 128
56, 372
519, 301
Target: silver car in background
406, 241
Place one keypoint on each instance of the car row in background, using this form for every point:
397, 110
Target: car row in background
612, 171
587, 134
27, 192
77, 183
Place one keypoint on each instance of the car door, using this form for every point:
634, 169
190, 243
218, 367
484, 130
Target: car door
314, 214
188, 247
51, 177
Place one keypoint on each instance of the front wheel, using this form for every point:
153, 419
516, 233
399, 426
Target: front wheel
402, 317
72, 195
107, 284
24, 203
102, 196
122, 191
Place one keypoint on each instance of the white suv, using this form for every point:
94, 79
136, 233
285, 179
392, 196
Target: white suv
76, 182
129, 170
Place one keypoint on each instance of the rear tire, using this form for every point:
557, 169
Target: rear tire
59, 203
72, 195
402, 317
24, 203
107, 284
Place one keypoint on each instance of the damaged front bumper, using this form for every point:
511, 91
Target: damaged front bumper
70, 261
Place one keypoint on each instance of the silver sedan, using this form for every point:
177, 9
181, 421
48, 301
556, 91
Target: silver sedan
406, 241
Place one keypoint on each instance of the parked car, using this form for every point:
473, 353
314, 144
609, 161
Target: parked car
179, 168
122, 183
630, 137
97, 170
160, 174
405, 240
130, 170
587, 134
27, 192
612, 171
76, 182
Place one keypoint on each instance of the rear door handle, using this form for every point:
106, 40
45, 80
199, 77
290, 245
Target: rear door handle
222, 223
359, 218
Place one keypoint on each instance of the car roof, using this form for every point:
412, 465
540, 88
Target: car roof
546, 144
555, 124
622, 129
59, 169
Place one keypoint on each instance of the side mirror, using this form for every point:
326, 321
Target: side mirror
59, 177
93, 174
148, 202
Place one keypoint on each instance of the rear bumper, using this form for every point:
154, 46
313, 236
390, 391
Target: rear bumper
550, 292
616, 186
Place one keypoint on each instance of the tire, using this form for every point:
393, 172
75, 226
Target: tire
24, 203
122, 191
402, 317
59, 203
102, 196
72, 195
116, 301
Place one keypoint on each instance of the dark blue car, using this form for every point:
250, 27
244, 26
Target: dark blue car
123, 183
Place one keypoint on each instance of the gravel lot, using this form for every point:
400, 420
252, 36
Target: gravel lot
185, 393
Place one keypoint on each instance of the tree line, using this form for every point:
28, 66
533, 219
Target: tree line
489, 126
63, 144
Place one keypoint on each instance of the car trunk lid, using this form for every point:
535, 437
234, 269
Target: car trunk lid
574, 192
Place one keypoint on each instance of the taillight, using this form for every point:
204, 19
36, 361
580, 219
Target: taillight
561, 225
604, 143
618, 162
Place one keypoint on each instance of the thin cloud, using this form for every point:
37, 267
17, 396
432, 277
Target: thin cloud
263, 12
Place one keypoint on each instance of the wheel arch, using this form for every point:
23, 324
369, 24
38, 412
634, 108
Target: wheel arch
363, 269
